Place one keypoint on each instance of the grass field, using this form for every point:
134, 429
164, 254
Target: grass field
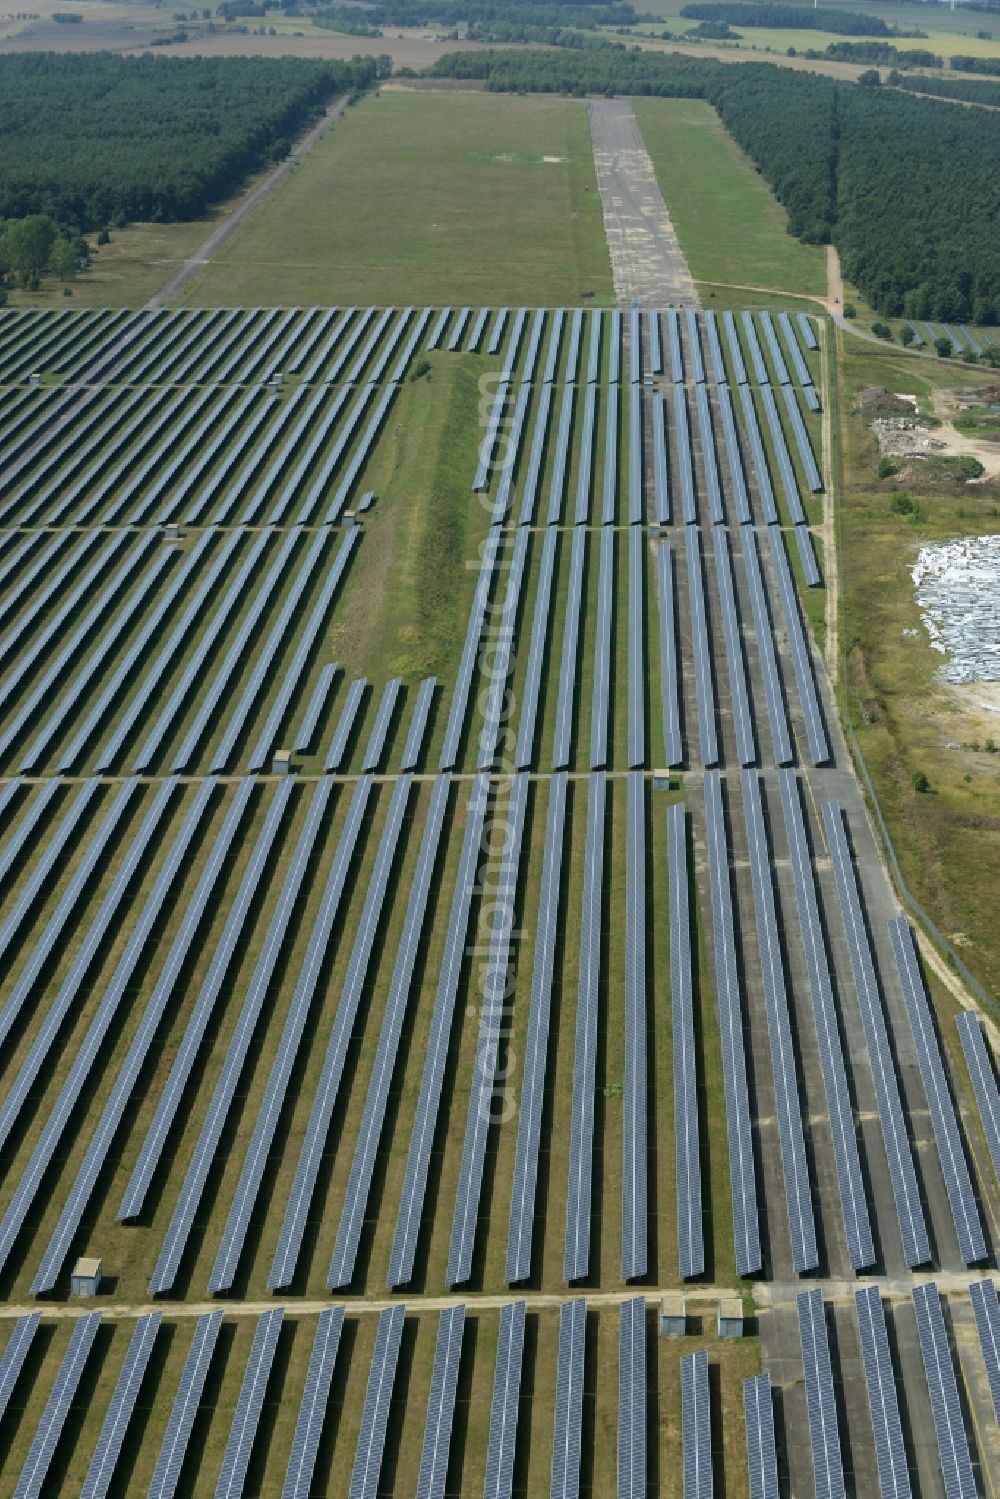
736, 236
429, 198
906, 719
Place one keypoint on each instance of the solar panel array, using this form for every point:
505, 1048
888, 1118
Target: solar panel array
313, 1405
942, 1387
890, 1450
739, 1127
696, 1423
690, 1236
798, 1195
502, 1442
632, 1399
378, 1395
576, 1254
762, 1457
441, 1404
34, 1473
902, 1171
951, 1151
636, 1082
986, 1307
821, 1403
984, 1081
250, 1403
568, 1424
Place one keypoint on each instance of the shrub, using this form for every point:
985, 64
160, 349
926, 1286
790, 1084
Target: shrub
919, 781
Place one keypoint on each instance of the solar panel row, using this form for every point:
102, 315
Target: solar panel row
821, 1402
696, 1424
612, 417
636, 735
432, 1079
703, 681
798, 1196
493, 980
529, 489
850, 1181
951, 1152
375, 1415
529, 1128
669, 655
767, 655
249, 1405
986, 1307
636, 513
902, 1173
576, 1253
562, 743
687, 1140
742, 1172
706, 440
632, 1399
661, 480
602, 651
890, 1451
313, 1405
433, 1472
355, 1200
984, 1081
470, 650
568, 1424
685, 458
34, 1473
774, 348
527, 723
739, 690
819, 749
942, 1387
762, 1457
303, 998
634, 1131
501, 1447
498, 663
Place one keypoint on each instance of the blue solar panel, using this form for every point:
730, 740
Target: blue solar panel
594, 346
534, 345
375, 748
685, 457
440, 324
739, 688
552, 348
737, 482
568, 1425
742, 1177
203, 1156
781, 739
529, 489
853, 1203
819, 749
706, 438
703, 683
669, 655
615, 348
527, 723
696, 1422
522, 1205
759, 461
802, 374
33, 1474
942, 1387
478, 329
892, 1119
496, 330
375, 1416
14, 1355
634, 346
441, 1404
986, 1307
735, 352
610, 500
636, 745
303, 997
355, 1200
798, 1197
418, 724
890, 1451
173, 1090
694, 346
316, 707
602, 652
511, 455
984, 1081
807, 557
802, 442
786, 470
951, 1152
661, 480
753, 344
635, 458
494, 998
806, 329
585, 460
690, 1236
774, 348
504, 1406
674, 342
313, 1406
632, 1399
470, 651
762, 1458
653, 341
821, 1403
250, 1403
345, 724
634, 1135
458, 328
562, 744
573, 353
432, 1079
560, 464
488, 447
576, 1253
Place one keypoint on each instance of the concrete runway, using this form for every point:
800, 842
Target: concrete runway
646, 259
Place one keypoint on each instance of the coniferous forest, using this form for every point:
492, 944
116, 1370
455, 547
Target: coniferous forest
905, 187
96, 139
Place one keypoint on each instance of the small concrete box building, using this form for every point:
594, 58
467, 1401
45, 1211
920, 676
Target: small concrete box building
673, 1317
730, 1324
86, 1277
281, 763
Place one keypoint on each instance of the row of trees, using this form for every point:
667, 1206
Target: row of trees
33, 247
784, 17
95, 139
969, 90
906, 188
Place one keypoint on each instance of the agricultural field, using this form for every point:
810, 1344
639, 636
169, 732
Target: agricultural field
422, 197
395, 1078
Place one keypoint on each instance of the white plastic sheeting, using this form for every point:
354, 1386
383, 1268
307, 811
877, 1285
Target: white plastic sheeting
958, 592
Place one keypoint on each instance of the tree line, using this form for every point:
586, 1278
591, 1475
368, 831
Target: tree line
92, 140
969, 90
906, 188
785, 17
